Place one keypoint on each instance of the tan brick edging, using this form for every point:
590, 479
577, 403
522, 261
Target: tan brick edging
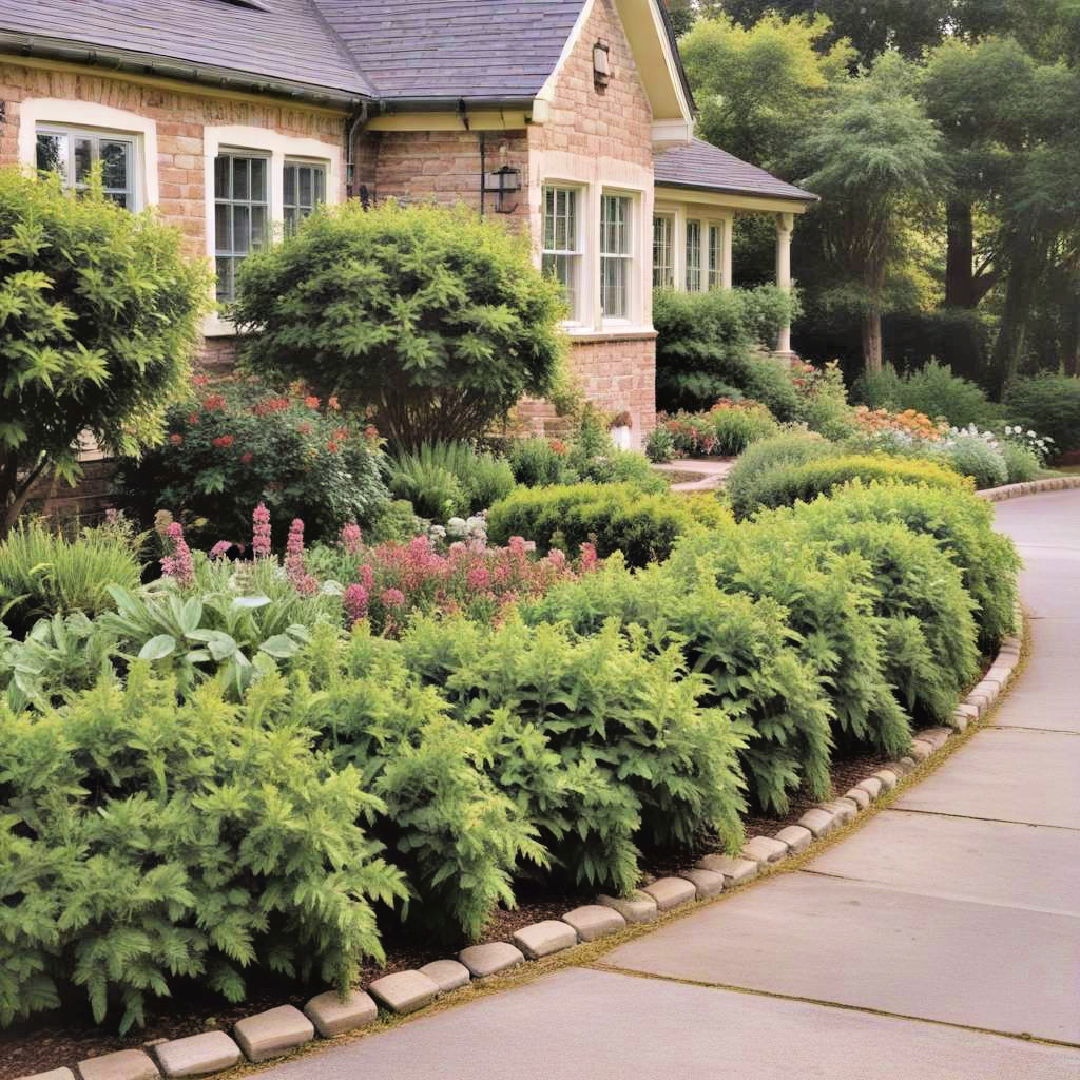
1031, 487
282, 1030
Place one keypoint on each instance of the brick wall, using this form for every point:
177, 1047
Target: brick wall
180, 118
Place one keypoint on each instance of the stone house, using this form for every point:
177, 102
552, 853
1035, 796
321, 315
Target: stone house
571, 118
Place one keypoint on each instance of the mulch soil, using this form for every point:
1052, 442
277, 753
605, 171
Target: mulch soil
69, 1035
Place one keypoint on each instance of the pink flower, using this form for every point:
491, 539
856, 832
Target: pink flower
367, 577
352, 538
393, 598
479, 578
589, 561
557, 558
178, 565
356, 602
295, 569
260, 534
175, 439
223, 442
220, 549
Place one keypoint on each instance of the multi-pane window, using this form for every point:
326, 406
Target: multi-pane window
693, 256
241, 214
305, 189
616, 253
561, 257
663, 273
73, 155
716, 255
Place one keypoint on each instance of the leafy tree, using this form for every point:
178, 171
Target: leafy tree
874, 159
433, 319
98, 312
759, 87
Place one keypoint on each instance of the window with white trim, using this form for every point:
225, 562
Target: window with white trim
616, 255
561, 258
716, 255
663, 273
73, 154
693, 255
241, 213
305, 189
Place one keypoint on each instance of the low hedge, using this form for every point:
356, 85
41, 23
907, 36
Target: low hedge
614, 517
760, 458
785, 485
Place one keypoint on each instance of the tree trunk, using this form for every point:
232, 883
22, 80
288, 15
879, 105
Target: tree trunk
1009, 347
1071, 348
959, 255
873, 353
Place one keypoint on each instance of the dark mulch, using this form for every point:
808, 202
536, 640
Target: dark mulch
69, 1035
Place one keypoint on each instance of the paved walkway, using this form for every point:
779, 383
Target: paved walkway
709, 473
939, 942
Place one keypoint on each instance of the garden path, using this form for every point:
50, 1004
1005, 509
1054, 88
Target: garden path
940, 941
706, 474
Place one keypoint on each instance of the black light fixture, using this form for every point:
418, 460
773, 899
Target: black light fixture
601, 64
502, 183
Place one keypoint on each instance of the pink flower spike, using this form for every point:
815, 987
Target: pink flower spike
179, 565
220, 549
260, 535
393, 598
352, 538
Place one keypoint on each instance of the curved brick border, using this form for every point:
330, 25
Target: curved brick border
1033, 487
280, 1031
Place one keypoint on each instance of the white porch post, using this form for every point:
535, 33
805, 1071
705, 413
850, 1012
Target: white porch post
785, 222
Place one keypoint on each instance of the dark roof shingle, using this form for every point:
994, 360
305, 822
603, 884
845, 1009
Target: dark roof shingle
702, 165
281, 40
454, 48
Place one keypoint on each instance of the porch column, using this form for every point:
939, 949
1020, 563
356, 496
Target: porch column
785, 222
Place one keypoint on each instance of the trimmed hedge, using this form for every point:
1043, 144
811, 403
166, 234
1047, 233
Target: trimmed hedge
760, 458
789, 484
614, 517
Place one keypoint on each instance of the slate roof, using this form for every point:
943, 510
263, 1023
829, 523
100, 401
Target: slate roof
276, 40
706, 167
454, 48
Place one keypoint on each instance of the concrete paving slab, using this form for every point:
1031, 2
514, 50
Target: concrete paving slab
964, 859
805, 935
1006, 774
591, 1025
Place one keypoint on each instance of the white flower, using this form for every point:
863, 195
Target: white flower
1031, 434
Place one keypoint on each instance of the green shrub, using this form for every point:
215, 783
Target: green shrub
436, 319
706, 347
633, 758
614, 517
822, 400
727, 429
146, 843
929, 649
42, 573
454, 833
237, 443
932, 390
1021, 463
962, 525
538, 462
741, 647
623, 467
450, 479
660, 446
1050, 405
828, 599
100, 310
974, 457
394, 521
757, 460
787, 484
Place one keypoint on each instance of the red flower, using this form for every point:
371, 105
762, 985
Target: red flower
215, 401
371, 432
175, 439
200, 380
333, 403
193, 418
224, 441
247, 459
312, 402
333, 446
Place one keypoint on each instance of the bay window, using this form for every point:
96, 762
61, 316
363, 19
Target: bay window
73, 154
693, 255
241, 214
561, 257
663, 252
616, 255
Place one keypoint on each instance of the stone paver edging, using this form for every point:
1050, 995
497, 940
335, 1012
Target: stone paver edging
281, 1031
1031, 487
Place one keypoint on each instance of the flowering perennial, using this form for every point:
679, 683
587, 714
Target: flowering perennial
178, 564
260, 534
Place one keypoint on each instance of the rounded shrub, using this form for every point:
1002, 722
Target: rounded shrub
435, 319
1021, 462
614, 517
788, 448
788, 484
975, 457
1048, 404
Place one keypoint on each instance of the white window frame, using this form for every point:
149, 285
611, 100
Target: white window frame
299, 208
90, 118
279, 148
95, 136
714, 253
694, 276
576, 253
630, 257
233, 203
663, 270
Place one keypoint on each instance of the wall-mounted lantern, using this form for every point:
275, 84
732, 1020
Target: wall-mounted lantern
503, 183
601, 64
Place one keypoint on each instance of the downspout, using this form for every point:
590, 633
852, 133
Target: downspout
483, 171
353, 125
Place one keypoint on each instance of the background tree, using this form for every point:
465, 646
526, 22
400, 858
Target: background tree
98, 313
872, 159
434, 320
